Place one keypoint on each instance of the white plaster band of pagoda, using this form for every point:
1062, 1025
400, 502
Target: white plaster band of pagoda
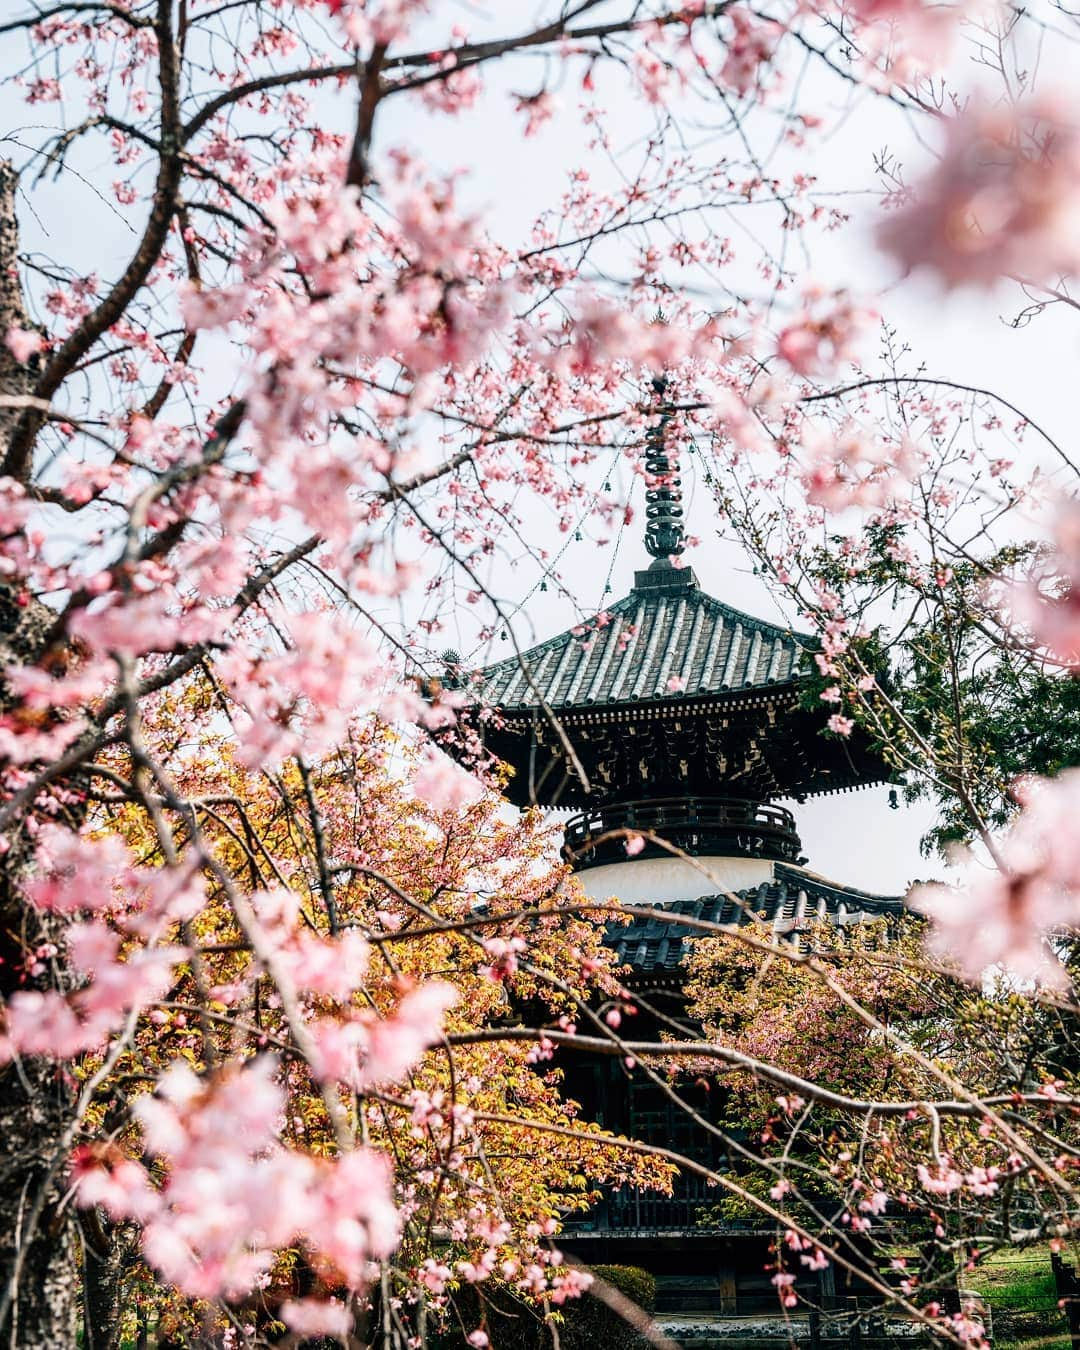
662, 881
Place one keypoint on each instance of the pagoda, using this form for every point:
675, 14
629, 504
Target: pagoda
672, 713
678, 716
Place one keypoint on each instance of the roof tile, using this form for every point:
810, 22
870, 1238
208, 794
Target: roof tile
651, 945
655, 634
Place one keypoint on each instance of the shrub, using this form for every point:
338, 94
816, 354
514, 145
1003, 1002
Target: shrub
592, 1325
635, 1283
514, 1323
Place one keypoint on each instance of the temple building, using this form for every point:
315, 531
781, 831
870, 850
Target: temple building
674, 714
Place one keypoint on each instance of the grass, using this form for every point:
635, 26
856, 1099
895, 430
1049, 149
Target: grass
1019, 1286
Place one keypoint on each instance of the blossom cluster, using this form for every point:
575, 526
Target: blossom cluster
1010, 906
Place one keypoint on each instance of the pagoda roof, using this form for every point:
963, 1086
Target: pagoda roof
795, 897
667, 640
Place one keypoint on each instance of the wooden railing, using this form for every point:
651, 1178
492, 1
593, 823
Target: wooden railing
692, 1208
729, 826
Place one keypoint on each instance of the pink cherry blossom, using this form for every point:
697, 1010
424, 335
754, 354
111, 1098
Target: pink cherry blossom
903, 38
943, 1180
394, 1045
444, 785
851, 469
23, 343
104, 1176
317, 1317
784, 1283
538, 109
233, 1193
306, 696
60, 1026
76, 871
824, 334
38, 689
154, 620
1002, 200
1047, 602
750, 49
1005, 914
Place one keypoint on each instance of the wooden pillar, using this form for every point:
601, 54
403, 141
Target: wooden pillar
728, 1294
827, 1287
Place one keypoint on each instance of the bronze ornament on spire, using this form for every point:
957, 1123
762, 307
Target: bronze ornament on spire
664, 535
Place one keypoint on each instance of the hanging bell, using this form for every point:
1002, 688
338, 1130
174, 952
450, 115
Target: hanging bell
577, 536
504, 635
607, 486
543, 585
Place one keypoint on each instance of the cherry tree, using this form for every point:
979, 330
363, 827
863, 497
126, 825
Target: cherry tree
257, 929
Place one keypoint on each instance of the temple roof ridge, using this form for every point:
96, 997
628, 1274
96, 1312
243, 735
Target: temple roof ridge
795, 872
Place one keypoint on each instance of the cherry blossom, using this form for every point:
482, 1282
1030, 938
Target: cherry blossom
784, 1282
1006, 913
233, 1194
851, 469
1048, 601
317, 1317
825, 332
443, 784
1001, 201
750, 49
394, 1045
23, 343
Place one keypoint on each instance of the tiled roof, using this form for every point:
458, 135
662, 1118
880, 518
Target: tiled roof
665, 629
795, 896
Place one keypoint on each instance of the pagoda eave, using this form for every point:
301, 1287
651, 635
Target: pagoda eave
738, 748
527, 715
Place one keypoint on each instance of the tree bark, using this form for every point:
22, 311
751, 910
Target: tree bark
104, 1256
39, 1295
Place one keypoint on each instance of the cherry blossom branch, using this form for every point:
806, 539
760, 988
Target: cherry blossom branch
884, 382
114, 10
95, 740
801, 1087
17, 460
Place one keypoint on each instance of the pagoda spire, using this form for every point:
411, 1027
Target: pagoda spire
664, 535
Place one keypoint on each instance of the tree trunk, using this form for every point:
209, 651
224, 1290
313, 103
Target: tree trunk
104, 1258
38, 1241
40, 1260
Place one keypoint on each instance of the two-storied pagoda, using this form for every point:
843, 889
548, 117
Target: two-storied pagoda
677, 715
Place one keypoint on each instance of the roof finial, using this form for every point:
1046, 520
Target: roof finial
663, 502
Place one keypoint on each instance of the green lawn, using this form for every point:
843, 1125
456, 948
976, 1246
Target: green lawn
1019, 1286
